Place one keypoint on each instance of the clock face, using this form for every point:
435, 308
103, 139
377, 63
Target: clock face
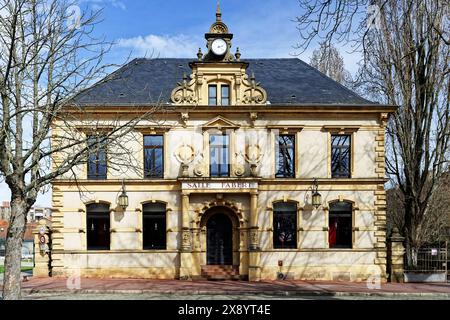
219, 47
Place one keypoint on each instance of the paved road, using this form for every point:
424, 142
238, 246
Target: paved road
154, 296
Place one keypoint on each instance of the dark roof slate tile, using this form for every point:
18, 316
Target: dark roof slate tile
150, 81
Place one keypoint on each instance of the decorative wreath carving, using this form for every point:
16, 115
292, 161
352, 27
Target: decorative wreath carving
185, 153
253, 154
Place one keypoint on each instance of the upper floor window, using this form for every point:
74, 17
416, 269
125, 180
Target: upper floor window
340, 225
285, 156
153, 156
154, 226
225, 95
285, 225
219, 146
213, 95
340, 156
97, 159
98, 226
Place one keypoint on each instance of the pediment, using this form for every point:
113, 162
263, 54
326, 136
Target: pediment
220, 123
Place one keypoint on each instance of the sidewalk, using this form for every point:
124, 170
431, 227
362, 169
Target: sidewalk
286, 288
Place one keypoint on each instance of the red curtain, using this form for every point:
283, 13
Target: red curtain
332, 232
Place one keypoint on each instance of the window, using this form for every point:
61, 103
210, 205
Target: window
212, 95
154, 226
284, 225
225, 96
153, 156
285, 157
340, 225
97, 165
340, 156
219, 155
214, 91
98, 223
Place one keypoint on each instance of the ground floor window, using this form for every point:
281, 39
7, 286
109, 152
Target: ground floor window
340, 225
285, 225
154, 226
98, 226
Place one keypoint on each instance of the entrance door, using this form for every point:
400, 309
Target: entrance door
219, 247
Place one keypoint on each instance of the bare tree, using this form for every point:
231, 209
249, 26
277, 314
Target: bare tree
434, 230
404, 47
48, 53
329, 61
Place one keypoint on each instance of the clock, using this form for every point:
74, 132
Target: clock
219, 47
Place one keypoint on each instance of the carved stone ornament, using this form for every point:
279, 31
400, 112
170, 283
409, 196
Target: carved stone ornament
184, 118
239, 169
218, 27
247, 91
186, 240
184, 93
253, 154
254, 94
200, 167
185, 154
254, 238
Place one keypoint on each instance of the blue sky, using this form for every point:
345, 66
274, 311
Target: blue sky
175, 28
170, 28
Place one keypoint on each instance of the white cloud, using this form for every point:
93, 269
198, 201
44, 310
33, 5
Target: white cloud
156, 46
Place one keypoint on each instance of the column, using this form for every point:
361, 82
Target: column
396, 252
254, 269
186, 248
253, 221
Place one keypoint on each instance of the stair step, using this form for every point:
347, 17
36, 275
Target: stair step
220, 272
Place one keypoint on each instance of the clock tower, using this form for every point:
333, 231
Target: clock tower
218, 41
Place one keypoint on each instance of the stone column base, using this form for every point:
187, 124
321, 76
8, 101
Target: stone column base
254, 269
186, 266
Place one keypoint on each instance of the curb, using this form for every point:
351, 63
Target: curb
259, 293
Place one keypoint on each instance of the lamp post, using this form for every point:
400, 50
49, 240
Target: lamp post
122, 201
316, 196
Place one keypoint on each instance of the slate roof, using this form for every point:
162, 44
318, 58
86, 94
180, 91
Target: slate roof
287, 81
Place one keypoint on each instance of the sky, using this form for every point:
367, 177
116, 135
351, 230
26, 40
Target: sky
176, 28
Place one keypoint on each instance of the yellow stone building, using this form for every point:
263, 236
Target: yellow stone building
225, 179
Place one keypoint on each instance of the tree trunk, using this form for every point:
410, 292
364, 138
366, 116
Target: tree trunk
13, 256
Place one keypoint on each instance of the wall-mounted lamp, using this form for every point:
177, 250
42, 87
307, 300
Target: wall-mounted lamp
316, 196
122, 201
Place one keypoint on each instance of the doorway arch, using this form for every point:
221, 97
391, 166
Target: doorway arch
220, 236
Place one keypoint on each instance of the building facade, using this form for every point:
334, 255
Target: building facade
224, 180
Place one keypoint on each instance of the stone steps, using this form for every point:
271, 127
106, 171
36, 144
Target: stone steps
220, 272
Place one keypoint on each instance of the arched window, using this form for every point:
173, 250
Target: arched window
98, 224
340, 225
285, 225
154, 226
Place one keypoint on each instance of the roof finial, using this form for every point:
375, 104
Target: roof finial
218, 12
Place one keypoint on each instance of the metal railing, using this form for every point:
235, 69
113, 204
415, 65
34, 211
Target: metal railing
430, 259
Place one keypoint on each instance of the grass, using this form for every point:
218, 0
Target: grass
2, 269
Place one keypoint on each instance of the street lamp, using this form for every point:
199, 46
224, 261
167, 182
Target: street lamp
316, 196
122, 201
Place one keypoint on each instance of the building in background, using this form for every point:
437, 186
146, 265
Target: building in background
35, 214
5, 210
